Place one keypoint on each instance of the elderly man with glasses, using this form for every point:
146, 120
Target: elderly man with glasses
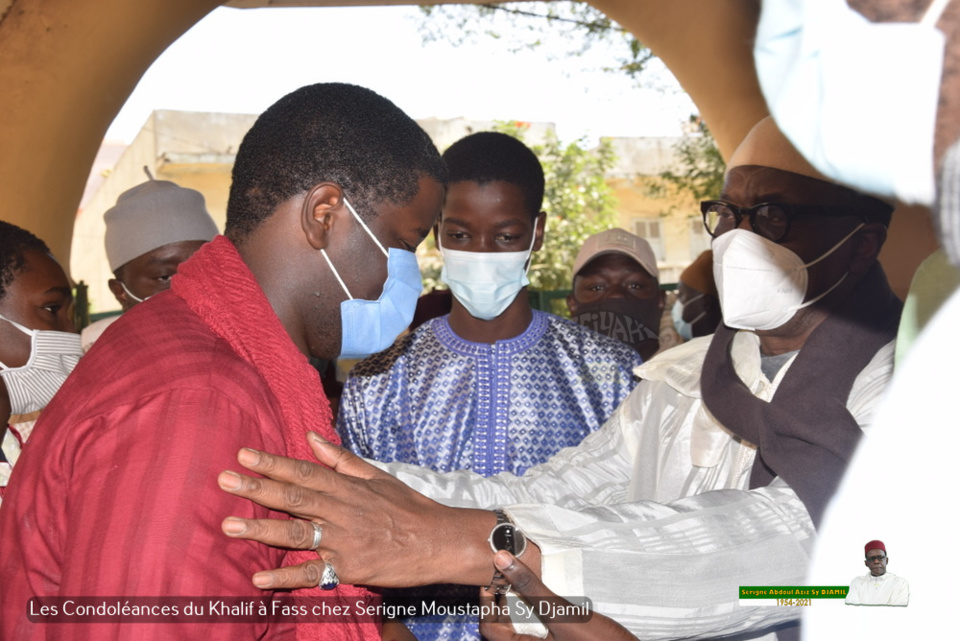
711, 475
878, 587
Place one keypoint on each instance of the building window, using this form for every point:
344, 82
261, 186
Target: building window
649, 230
699, 238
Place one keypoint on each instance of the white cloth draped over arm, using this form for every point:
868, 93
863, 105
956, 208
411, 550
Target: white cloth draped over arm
668, 569
663, 571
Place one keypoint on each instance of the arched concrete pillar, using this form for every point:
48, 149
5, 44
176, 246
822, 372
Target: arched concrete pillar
66, 68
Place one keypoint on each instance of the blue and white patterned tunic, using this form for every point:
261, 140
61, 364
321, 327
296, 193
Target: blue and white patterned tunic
442, 402
439, 401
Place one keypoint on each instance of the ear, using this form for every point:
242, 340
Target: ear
119, 294
540, 225
572, 305
322, 207
867, 245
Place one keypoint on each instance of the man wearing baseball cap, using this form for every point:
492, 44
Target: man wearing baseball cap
616, 290
153, 228
878, 587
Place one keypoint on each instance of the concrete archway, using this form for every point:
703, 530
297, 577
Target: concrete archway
67, 67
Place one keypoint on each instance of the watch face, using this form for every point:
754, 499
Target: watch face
507, 537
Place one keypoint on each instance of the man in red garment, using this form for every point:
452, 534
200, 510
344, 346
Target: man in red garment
333, 188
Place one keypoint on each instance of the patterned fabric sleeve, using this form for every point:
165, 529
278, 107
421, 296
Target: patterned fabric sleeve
351, 422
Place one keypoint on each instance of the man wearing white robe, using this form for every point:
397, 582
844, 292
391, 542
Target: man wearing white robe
878, 587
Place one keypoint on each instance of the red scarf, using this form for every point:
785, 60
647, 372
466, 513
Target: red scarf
219, 287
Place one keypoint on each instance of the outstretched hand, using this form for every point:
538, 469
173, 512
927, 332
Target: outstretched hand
375, 530
528, 585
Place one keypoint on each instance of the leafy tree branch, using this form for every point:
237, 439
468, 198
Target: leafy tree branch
521, 25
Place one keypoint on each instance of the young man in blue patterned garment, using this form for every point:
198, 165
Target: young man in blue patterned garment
495, 386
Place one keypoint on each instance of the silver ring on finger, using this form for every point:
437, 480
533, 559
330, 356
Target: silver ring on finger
317, 535
329, 579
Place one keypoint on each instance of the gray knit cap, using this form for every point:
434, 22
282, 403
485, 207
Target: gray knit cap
151, 215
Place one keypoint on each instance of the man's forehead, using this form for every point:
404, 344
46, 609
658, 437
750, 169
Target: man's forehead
876, 552
41, 274
759, 183
613, 260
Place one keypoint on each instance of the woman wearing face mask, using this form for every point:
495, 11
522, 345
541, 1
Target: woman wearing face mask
39, 345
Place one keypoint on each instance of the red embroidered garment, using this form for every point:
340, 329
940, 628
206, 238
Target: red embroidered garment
115, 494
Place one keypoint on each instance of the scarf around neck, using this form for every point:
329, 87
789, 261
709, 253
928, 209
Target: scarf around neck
219, 287
805, 434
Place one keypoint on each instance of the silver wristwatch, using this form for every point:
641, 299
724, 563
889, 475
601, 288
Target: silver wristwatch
504, 536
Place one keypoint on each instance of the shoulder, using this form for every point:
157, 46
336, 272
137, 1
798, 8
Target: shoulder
409, 349
679, 367
871, 383
159, 348
93, 331
880, 367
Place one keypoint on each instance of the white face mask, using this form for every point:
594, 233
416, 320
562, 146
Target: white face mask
132, 296
762, 284
858, 99
53, 355
486, 283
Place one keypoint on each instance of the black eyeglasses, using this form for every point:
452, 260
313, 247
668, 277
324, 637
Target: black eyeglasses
873, 559
770, 220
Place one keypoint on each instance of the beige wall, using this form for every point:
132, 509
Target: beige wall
194, 150
66, 68
673, 213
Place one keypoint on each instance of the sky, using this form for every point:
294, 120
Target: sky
243, 60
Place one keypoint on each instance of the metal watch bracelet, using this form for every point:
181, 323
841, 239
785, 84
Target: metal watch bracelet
504, 536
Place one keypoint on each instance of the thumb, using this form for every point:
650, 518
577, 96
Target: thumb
340, 460
523, 580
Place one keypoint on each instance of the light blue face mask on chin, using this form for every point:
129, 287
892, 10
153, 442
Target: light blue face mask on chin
370, 326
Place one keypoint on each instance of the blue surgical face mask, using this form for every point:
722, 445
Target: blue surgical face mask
857, 98
684, 328
486, 283
371, 326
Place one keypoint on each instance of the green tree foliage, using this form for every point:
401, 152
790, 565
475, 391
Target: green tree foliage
577, 200
521, 25
700, 166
